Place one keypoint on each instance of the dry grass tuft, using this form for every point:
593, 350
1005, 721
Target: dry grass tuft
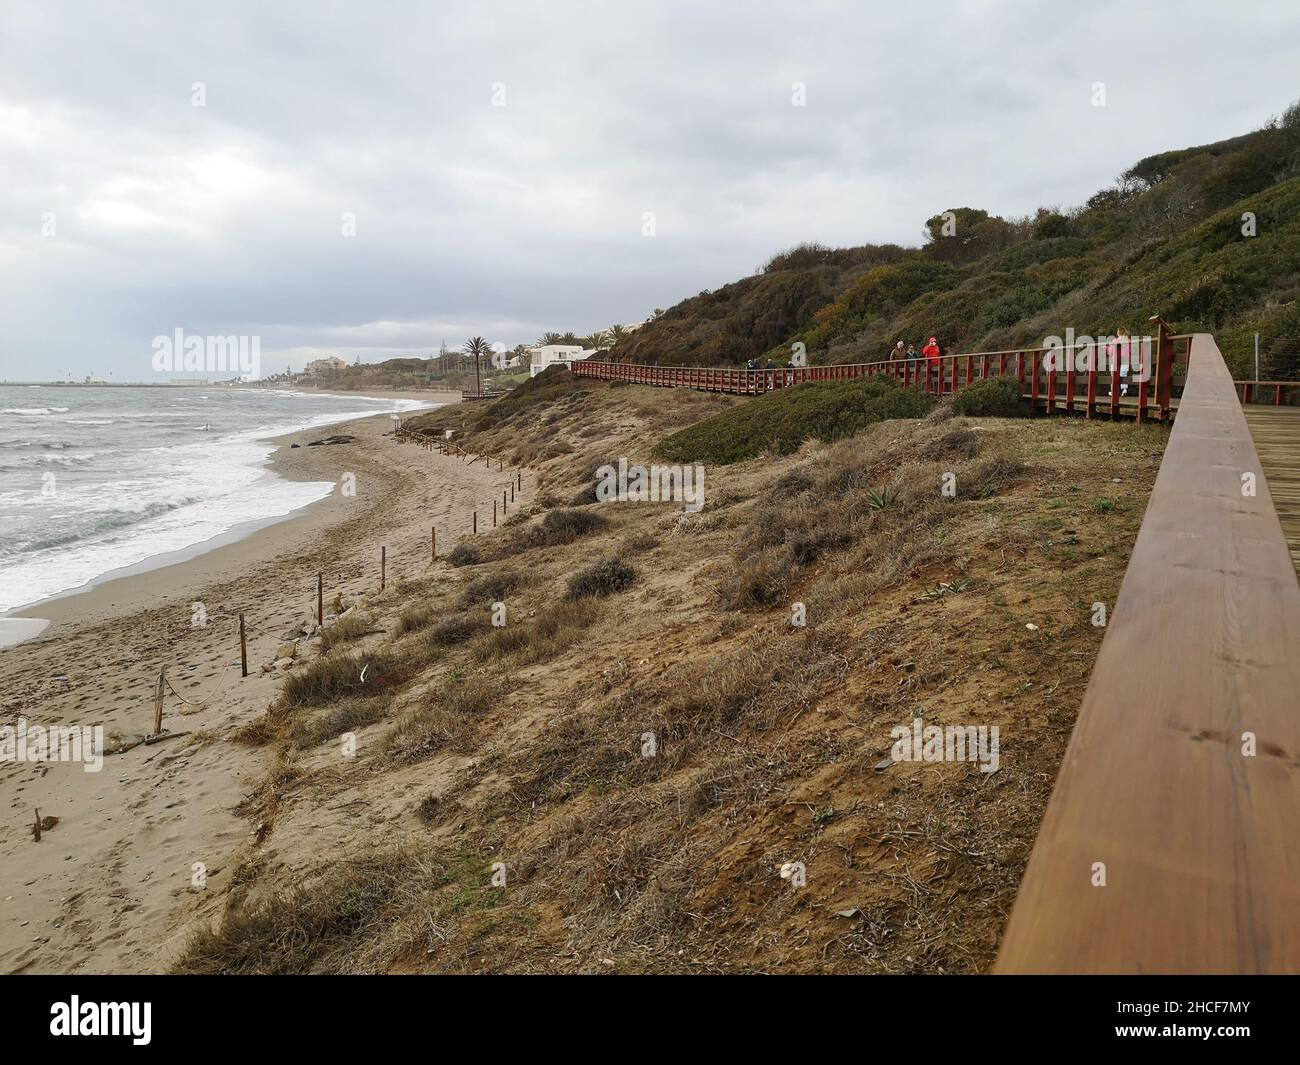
347, 716
446, 718
333, 676
345, 630
561, 527
605, 577
539, 639
356, 917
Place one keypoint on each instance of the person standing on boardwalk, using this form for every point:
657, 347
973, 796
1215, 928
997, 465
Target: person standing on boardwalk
931, 353
898, 352
1119, 353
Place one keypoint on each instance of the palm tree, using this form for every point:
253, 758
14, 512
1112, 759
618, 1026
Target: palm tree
549, 338
478, 348
598, 339
617, 334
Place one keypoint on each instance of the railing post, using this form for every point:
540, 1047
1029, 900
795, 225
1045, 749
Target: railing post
1144, 391
1070, 378
1092, 383
1164, 369
1036, 374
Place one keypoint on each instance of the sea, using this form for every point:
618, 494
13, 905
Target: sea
96, 479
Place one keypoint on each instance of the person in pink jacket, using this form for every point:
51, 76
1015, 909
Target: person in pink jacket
1119, 352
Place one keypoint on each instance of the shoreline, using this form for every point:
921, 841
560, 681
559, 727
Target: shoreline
133, 587
111, 888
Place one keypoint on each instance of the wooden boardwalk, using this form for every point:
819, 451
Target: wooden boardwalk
1276, 432
1170, 842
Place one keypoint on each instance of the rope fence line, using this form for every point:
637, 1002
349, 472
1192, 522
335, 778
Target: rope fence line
247, 629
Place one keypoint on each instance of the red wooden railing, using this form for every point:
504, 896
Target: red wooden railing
1093, 382
1275, 393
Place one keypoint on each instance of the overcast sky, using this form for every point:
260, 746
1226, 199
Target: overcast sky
505, 221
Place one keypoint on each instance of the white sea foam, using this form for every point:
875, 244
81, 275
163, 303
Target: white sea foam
156, 487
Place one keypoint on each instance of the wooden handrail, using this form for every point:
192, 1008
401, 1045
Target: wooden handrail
943, 375
1198, 842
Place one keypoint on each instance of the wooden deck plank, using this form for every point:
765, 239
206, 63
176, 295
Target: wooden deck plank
1198, 841
1276, 432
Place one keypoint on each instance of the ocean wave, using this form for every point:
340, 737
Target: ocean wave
157, 414
31, 411
105, 522
189, 487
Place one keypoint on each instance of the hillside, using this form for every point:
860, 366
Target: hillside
1166, 238
615, 779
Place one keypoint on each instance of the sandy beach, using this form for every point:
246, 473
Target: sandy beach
107, 884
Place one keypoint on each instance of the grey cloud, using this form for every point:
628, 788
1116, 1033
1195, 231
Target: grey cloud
506, 221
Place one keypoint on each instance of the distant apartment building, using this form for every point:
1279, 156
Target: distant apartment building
547, 355
328, 364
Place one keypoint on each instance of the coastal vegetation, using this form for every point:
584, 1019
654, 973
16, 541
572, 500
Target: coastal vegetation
1208, 237
779, 422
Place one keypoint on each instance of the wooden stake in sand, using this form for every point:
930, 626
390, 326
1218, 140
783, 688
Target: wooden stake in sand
494, 513
476, 521
243, 647
520, 475
512, 492
433, 544
383, 567
320, 599
36, 828
503, 501
158, 702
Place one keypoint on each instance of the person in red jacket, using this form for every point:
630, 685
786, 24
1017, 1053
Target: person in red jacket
931, 353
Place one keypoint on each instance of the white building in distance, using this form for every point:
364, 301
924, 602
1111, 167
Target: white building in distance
547, 355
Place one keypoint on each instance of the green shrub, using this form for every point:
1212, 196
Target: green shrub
780, 422
998, 397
